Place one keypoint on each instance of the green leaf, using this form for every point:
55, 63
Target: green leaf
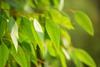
84, 21
38, 35
60, 19
66, 53
4, 53
53, 32
61, 57
25, 30
20, 57
2, 25
84, 57
38, 29
75, 60
50, 48
65, 38
13, 28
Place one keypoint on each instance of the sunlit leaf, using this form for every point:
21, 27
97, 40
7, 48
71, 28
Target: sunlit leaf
14, 35
53, 32
66, 53
61, 5
61, 19
4, 53
84, 21
84, 57
38, 29
65, 38
74, 58
38, 35
62, 58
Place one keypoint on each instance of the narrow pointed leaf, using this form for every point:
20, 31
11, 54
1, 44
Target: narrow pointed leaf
14, 35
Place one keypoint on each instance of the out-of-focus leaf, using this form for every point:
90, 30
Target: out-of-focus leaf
20, 57
25, 30
2, 24
30, 52
38, 35
66, 53
60, 19
61, 5
13, 30
4, 5
12, 26
55, 3
4, 53
62, 58
17, 4
53, 32
75, 60
50, 48
38, 29
84, 21
65, 38
84, 57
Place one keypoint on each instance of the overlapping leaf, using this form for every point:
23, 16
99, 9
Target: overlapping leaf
60, 19
4, 54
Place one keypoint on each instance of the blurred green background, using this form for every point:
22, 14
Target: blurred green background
79, 37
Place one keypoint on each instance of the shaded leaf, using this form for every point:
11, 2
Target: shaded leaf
2, 24
4, 53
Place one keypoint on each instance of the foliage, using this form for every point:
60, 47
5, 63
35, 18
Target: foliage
36, 33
